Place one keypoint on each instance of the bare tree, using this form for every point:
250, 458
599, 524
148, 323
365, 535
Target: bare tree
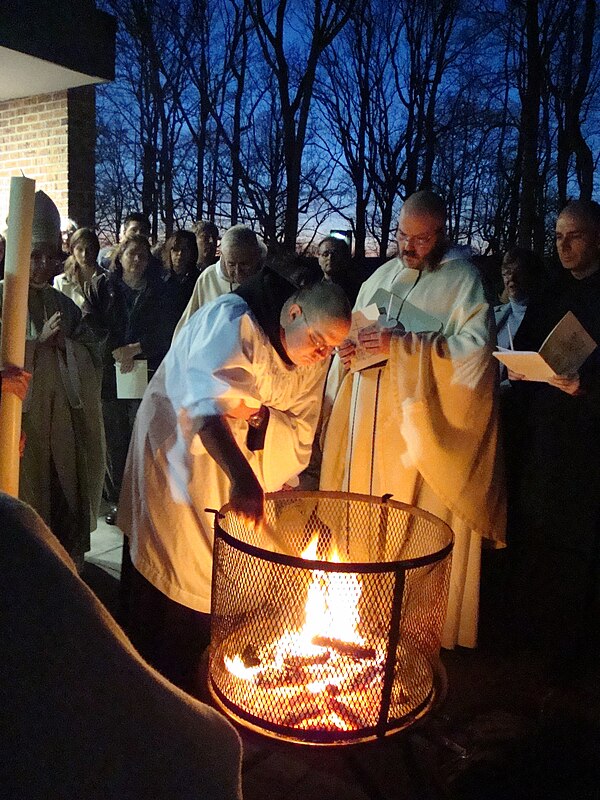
295, 78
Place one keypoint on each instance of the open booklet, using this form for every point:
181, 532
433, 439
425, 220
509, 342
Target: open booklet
562, 352
387, 310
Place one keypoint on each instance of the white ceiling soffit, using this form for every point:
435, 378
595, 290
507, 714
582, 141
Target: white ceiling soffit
25, 76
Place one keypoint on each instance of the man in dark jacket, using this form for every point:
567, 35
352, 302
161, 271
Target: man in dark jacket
556, 544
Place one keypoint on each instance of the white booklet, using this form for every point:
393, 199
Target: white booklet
131, 385
562, 352
388, 310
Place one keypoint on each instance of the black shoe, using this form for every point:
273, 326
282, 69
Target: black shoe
111, 517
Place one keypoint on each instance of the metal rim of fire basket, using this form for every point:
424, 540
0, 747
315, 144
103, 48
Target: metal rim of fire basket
316, 738
359, 567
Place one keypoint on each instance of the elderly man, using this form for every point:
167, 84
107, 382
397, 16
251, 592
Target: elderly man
241, 256
558, 541
207, 238
423, 425
230, 413
336, 265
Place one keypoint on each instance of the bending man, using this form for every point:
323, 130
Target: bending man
230, 413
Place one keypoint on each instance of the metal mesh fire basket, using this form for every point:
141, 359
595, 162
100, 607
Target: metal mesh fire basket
326, 629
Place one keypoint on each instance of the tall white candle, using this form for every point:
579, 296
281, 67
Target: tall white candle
14, 321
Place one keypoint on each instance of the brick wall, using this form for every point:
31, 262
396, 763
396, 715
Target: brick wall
51, 139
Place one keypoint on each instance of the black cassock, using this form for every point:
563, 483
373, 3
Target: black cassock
556, 502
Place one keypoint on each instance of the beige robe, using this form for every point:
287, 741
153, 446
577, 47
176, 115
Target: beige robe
62, 421
220, 358
423, 427
210, 285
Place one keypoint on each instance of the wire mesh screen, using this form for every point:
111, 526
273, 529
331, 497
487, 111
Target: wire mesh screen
326, 625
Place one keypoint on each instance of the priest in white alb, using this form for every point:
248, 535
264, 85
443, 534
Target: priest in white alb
422, 424
230, 413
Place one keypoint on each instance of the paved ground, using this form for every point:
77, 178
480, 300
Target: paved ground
511, 727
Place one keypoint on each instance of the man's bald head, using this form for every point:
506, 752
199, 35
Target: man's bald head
425, 203
323, 301
314, 320
421, 237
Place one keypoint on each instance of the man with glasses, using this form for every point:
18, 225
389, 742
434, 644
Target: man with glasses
230, 413
335, 261
556, 543
423, 425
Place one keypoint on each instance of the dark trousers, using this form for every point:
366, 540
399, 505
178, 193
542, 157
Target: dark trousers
119, 416
169, 636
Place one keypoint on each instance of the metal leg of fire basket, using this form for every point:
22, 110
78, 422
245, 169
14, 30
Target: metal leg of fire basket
417, 752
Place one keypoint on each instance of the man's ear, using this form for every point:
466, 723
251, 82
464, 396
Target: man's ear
294, 311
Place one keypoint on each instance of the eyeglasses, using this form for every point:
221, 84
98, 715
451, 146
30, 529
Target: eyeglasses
421, 240
320, 347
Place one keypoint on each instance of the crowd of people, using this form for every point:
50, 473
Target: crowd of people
250, 382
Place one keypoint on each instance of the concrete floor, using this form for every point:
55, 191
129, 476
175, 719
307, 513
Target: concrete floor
510, 727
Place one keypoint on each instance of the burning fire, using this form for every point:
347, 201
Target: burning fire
316, 666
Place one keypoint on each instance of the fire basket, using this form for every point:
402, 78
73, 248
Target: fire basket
327, 631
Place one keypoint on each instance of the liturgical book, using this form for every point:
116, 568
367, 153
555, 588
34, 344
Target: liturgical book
562, 352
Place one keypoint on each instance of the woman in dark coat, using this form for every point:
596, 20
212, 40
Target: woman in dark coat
130, 310
179, 257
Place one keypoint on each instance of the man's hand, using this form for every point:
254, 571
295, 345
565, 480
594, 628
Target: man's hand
376, 340
51, 327
346, 352
515, 376
246, 494
125, 356
242, 411
247, 499
566, 383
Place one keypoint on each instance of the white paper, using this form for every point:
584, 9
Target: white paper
563, 351
394, 311
131, 385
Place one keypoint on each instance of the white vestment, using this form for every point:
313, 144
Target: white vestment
221, 357
211, 284
423, 427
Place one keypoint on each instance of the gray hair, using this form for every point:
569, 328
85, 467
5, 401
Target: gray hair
240, 236
205, 225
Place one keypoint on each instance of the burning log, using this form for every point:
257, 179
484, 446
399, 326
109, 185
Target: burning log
344, 713
307, 661
366, 678
275, 678
355, 651
302, 708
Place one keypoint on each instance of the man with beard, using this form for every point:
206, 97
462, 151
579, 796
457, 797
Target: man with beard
423, 425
